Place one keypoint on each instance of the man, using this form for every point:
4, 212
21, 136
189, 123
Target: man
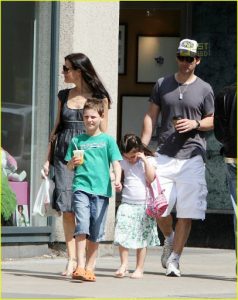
188, 100
225, 130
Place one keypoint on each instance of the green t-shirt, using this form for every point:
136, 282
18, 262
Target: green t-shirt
93, 176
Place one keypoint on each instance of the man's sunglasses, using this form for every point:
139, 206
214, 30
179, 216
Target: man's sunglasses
188, 59
66, 69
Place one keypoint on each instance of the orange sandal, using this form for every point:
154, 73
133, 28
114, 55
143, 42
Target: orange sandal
89, 276
79, 274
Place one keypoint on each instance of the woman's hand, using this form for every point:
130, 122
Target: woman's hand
53, 137
46, 168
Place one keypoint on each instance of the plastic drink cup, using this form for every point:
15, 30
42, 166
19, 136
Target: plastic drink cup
176, 118
80, 154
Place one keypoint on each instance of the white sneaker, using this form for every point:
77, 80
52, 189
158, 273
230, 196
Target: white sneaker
173, 269
167, 250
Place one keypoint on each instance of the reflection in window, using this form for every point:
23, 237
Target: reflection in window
25, 46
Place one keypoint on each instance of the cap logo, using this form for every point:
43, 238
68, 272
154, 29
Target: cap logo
187, 44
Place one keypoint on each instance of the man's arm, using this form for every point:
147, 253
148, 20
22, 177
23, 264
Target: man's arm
206, 123
185, 125
150, 120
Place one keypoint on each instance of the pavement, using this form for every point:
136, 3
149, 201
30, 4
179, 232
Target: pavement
206, 273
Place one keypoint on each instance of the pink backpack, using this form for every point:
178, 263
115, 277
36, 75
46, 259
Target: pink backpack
156, 202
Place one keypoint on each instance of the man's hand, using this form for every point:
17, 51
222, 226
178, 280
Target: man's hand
185, 125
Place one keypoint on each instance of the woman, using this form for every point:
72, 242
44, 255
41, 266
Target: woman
78, 70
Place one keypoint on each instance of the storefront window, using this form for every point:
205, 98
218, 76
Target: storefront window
26, 45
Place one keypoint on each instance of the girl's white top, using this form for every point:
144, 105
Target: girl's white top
134, 187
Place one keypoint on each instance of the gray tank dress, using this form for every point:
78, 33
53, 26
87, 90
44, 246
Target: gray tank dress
71, 124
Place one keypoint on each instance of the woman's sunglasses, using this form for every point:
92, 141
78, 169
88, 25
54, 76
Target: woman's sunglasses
66, 69
188, 59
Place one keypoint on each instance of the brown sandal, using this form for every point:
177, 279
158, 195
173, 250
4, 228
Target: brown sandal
79, 274
89, 276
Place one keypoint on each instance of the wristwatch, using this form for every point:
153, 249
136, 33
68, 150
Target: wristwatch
198, 124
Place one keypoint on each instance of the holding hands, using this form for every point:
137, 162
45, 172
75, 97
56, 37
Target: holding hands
118, 186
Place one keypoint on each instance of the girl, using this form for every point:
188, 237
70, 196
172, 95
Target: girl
134, 229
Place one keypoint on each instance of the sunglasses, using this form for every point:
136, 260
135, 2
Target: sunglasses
188, 59
66, 69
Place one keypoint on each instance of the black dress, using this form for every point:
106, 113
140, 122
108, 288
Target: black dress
71, 125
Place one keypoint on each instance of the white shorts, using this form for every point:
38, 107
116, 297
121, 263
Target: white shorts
185, 185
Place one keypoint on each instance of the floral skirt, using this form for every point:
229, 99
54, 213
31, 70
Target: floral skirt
134, 229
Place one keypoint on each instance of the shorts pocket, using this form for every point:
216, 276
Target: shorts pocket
202, 202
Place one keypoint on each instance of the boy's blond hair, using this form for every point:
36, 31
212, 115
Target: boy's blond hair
95, 104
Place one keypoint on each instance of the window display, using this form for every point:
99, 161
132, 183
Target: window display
26, 42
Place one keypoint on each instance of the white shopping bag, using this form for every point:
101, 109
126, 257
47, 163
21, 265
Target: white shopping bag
44, 198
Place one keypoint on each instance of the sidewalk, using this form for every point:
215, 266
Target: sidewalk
206, 273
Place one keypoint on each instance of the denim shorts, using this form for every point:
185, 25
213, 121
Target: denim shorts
90, 214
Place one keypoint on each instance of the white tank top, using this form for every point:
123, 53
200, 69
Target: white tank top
134, 187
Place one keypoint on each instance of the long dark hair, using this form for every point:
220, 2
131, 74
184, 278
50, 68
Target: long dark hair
82, 62
131, 141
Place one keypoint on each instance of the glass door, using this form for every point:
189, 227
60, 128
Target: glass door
26, 45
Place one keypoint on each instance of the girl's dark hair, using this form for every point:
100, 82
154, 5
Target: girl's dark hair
82, 62
131, 141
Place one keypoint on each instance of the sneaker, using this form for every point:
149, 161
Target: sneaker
167, 250
173, 269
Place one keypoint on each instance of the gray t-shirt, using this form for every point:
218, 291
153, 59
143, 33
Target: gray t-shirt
197, 102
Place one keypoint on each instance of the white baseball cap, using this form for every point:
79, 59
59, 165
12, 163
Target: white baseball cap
187, 48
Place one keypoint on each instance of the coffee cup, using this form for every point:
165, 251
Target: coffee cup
80, 154
176, 118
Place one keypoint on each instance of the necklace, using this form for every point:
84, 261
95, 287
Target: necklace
182, 92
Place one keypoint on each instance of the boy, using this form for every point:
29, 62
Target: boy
92, 186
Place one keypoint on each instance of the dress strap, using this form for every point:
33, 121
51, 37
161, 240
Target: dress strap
63, 95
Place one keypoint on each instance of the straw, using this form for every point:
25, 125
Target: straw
75, 145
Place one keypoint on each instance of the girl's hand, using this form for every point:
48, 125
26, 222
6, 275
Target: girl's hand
141, 155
